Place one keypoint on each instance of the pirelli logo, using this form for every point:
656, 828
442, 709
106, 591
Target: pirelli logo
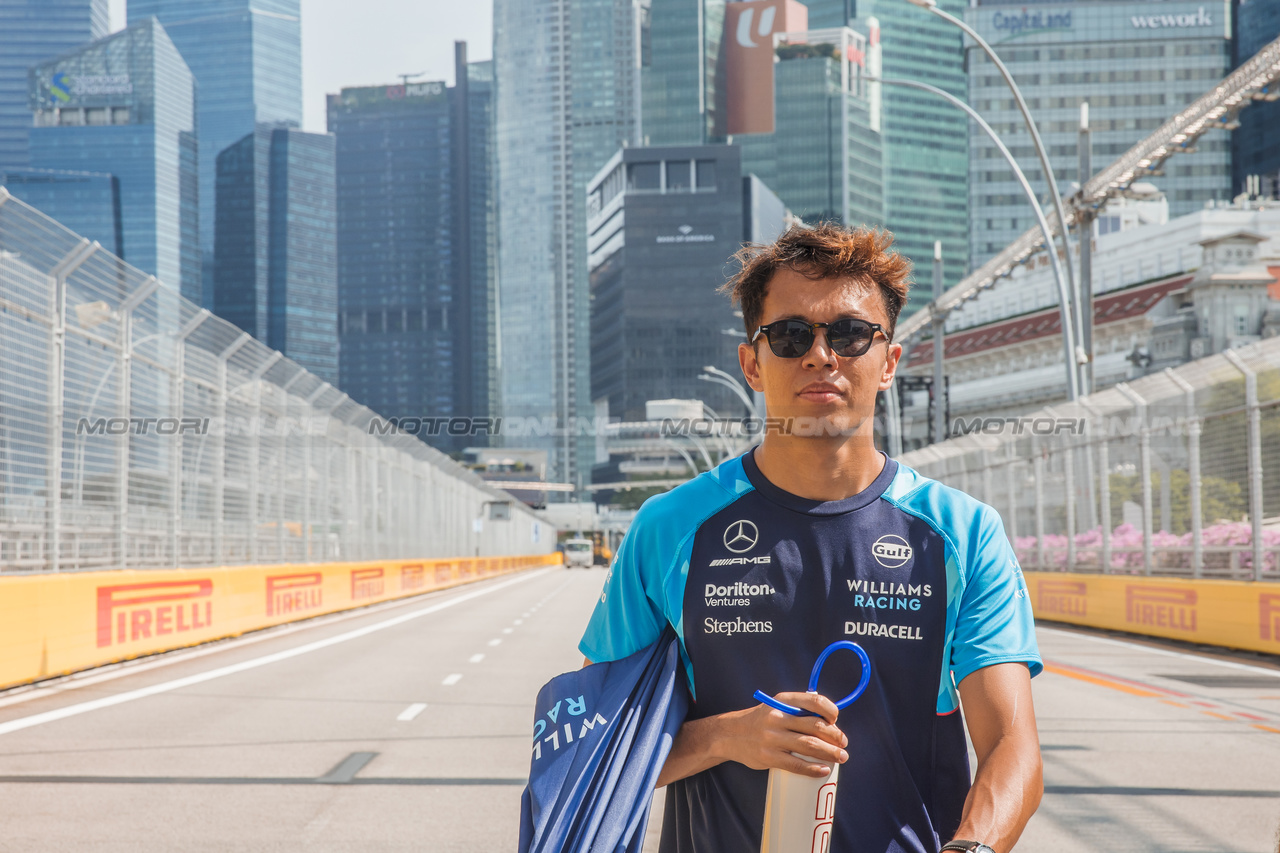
413, 577
140, 611
444, 572
293, 593
1269, 616
367, 583
1062, 598
1160, 607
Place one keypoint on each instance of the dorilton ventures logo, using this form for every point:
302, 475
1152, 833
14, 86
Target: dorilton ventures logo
1199, 18
137, 610
735, 594
1161, 607
293, 593
1064, 598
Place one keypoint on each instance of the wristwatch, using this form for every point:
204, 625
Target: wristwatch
967, 846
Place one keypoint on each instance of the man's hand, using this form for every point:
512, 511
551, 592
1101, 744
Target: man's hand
1009, 782
761, 738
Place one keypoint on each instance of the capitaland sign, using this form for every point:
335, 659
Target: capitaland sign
1016, 23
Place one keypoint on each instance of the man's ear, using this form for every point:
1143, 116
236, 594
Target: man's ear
750, 366
892, 356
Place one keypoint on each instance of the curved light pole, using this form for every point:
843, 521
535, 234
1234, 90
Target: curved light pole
1068, 328
1045, 167
729, 381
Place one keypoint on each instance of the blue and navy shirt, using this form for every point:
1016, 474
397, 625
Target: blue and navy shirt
757, 582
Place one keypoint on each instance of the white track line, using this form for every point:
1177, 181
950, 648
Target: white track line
476, 658
495, 642
253, 663
412, 711
450, 680
1203, 658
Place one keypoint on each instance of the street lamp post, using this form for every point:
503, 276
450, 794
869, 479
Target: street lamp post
1078, 351
1068, 328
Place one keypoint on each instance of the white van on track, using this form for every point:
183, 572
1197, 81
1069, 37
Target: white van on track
579, 552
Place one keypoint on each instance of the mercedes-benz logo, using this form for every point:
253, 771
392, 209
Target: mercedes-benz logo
741, 536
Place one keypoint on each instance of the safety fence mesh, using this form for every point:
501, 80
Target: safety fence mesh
1175, 473
138, 430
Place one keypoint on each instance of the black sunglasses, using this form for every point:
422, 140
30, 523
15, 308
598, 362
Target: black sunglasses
848, 338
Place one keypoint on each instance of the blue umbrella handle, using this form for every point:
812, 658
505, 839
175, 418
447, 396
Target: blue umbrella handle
766, 699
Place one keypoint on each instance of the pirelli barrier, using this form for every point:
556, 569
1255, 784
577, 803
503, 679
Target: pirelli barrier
53, 624
1235, 614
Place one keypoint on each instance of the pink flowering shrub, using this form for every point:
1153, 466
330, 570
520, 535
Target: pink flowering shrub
1126, 547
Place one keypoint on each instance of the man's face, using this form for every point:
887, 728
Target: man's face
839, 392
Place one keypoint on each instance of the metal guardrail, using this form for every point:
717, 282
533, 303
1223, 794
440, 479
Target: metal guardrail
138, 430
1176, 473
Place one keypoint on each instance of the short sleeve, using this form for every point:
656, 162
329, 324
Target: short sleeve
627, 617
995, 623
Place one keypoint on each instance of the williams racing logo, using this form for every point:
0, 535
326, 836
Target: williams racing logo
576, 724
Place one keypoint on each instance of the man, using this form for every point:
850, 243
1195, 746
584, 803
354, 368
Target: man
815, 536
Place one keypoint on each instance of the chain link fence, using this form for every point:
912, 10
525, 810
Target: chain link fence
1176, 473
137, 430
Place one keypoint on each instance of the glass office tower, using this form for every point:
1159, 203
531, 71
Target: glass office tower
679, 57
1256, 144
416, 244
1135, 71
34, 31
88, 203
568, 80
125, 105
925, 139
246, 56
275, 267
823, 159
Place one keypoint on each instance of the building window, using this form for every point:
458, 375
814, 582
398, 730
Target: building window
706, 175
644, 177
678, 175
1242, 320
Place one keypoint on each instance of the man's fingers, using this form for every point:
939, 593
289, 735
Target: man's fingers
815, 702
812, 747
818, 727
799, 766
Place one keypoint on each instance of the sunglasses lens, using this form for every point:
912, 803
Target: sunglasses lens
790, 338
850, 337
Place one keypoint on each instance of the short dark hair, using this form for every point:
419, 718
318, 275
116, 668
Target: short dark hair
827, 250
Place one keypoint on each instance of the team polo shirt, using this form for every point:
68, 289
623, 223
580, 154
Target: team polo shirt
757, 582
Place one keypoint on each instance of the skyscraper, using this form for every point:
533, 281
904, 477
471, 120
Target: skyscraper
822, 158
1133, 69
33, 31
680, 53
246, 56
88, 203
275, 266
568, 81
125, 105
1255, 149
416, 248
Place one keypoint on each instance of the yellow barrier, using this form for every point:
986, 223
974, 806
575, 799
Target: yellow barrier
1235, 614
53, 624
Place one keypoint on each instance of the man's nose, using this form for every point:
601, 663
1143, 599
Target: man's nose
820, 353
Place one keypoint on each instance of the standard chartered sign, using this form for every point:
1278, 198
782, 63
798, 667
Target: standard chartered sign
1198, 18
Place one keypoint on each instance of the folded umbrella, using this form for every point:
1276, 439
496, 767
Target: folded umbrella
601, 737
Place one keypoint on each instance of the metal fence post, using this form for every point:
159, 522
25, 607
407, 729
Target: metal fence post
56, 388
124, 396
1104, 501
178, 395
255, 452
1255, 455
1010, 472
1144, 453
1193, 464
220, 464
1038, 473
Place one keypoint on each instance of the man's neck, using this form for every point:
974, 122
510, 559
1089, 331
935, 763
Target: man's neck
818, 469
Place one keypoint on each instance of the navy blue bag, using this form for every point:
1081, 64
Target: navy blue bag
601, 737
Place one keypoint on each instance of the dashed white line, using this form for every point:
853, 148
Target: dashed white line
450, 680
507, 630
518, 622
412, 711
476, 658
495, 641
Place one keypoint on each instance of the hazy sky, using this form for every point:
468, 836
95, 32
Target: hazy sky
368, 42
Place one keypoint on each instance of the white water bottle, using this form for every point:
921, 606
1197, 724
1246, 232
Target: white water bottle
799, 811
